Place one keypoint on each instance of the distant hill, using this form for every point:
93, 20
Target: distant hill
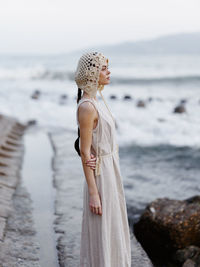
183, 43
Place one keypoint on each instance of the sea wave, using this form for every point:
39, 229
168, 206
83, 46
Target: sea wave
41, 73
158, 80
37, 73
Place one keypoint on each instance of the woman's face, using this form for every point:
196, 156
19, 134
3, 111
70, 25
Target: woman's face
104, 76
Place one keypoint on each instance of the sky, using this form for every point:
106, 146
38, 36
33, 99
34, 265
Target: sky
62, 26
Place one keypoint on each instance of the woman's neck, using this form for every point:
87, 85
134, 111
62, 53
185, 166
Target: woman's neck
85, 95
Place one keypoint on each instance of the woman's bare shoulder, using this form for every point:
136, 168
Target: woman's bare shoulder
87, 112
87, 107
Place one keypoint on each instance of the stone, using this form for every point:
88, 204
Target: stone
179, 109
141, 104
63, 99
113, 97
189, 263
169, 225
36, 94
183, 101
31, 122
188, 255
127, 97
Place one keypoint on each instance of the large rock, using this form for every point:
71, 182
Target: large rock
167, 225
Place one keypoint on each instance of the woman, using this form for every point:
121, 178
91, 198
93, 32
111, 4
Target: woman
105, 237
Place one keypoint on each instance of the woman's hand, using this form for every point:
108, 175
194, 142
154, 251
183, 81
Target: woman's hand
91, 162
95, 204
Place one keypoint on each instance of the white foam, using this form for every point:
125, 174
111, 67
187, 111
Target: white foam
155, 124
152, 125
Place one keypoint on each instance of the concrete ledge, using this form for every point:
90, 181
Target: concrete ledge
2, 227
9, 181
11, 152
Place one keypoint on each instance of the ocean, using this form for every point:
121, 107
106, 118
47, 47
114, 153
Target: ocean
159, 149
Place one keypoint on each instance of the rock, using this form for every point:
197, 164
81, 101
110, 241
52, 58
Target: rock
188, 255
161, 120
179, 109
113, 97
127, 97
189, 263
63, 99
183, 101
169, 225
31, 122
141, 104
63, 96
36, 94
150, 99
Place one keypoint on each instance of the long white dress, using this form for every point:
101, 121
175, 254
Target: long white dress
105, 239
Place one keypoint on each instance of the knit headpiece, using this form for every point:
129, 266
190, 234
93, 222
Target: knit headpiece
88, 70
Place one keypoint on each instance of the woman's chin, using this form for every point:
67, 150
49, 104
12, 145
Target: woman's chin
105, 83
108, 81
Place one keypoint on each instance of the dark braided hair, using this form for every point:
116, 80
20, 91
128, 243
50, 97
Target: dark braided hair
76, 143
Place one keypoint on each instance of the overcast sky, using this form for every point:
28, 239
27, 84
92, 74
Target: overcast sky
56, 26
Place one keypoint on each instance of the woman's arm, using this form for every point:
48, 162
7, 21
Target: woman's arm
87, 115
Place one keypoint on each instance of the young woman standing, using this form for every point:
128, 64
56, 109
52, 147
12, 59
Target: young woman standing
105, 236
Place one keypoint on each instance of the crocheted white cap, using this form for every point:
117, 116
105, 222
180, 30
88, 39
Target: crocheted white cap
88, 70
